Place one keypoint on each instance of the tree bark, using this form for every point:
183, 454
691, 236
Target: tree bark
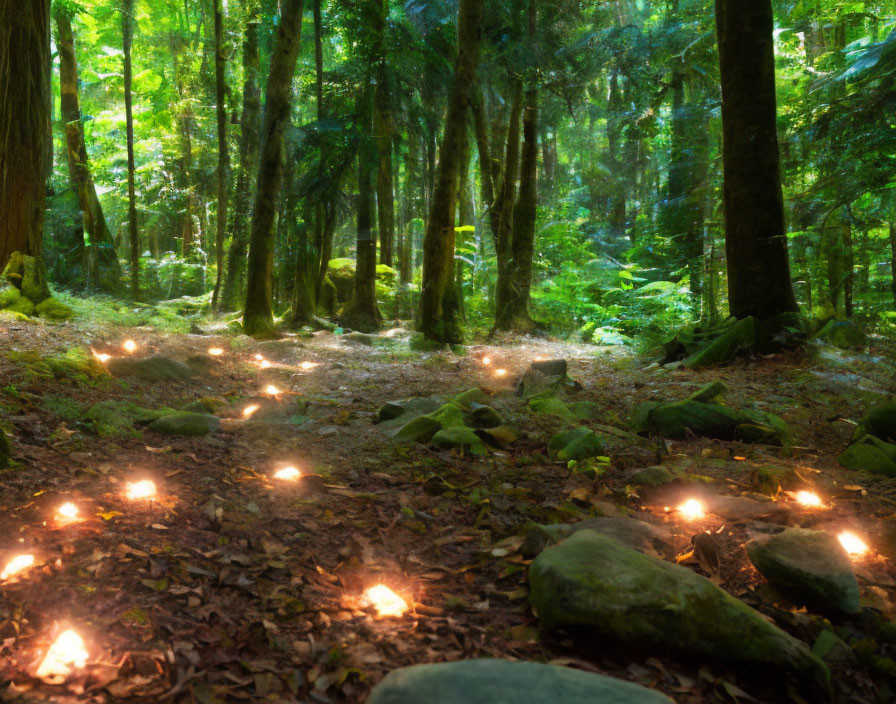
486, 167
759, 281
438, 309
250, 124
258, 316
893, 260
127, 17
384, 127
223, 170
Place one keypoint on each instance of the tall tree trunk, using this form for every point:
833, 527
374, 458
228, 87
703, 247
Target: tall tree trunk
24, 127
127, 18
324, 213
755, 241
250, 124
616, 215
893, 260
258, 316
103, 269
223, 171
438, 307
384, 126
465, 219
486, 167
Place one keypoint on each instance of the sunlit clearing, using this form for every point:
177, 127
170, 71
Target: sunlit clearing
691, 510
129, 346
385, 601
249, 410
486, 361
67, 512
500, 372
271, 390
808, 498
852, 543
65, 655
102, 356
16, 565
215, 351
144, 489
309, 365
289, 474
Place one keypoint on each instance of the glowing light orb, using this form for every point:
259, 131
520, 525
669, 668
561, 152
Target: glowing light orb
67, 512
102, 356
808, 498
16, 565
289, 474
129, 346
264, 364
259, 357
500, 372
144, 489
271, 390
486, 361
386, 602
67, 654
309, 365
215, 351
852, 543
250, 409
691, 510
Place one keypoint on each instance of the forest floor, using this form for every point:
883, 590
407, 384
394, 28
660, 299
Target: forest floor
234, 586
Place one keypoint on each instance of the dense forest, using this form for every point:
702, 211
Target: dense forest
447, 350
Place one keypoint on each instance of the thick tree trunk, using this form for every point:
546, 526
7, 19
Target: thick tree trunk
127, 18
103, 269
250, 124
223, 170
258, 316
755, 241
438, 309
24, 127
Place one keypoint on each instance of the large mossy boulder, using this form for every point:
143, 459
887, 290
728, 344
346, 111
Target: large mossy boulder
879, 421
808, 566
870, 454
487, 681
844, 334
631, 532
575, 445
185, 424
593, 582
155, 368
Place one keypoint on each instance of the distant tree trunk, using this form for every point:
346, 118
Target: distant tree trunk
24, 127
486, 167
258, 316
383, 126
223, 171
617, 213
250, 123
361, 312
324, 214
438, 309
103, 269
127, 18
755, 241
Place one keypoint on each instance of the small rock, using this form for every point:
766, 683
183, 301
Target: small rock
502, 436
484, 417
420, 429
188, 424
459, 438
576, 444
870, 454
651, 477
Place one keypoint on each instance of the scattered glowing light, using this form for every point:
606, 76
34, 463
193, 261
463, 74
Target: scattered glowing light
65, 655
144, 489
539, 359
259, 357
264, 364
500, 372
250, 409
215, 351
309, 365
102, 356
67, 513
129, 346
808, 498
852, 543
486, 361
16, 565
385, 601
288, 474
691, 510
271, 390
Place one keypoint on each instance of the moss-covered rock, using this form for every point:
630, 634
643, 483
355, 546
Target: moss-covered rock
879, 421
407, 409
844, 334
419, 429
548, 403
76, 363
674, 420
459, 437
870, 454
341, 273
652, 477
505, 682
500, 436
206, 404
449, 415
631, 532
11, 316
27, 274
757, 433
474, 395
746, 335
21, 305
593, 581
5, 450
113, 417
769, 479
484, 417
53, 309
185, 424
577, 444
155, 368
9, 294
709, 392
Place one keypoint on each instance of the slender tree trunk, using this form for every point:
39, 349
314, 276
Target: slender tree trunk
465, 218
438, 309
127, 18
617, 204
258, 316
223, 171
486, 168
323, 234
103, 269
755, 241
384, 127
893, 260
250, 128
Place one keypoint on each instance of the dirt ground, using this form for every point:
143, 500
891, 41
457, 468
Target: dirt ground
234, 586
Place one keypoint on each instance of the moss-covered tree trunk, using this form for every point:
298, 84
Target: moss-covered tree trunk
103, 269
250, 124
438, 309
127, 29
759, 281
223, 168
258, 318
24, 131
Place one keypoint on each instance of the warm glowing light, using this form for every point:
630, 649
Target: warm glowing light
500, 372
215, 351
67, 512
16, 565
486, 361
385, 601
259, 357
309, 365
271, 390
264, 364
129, 346
65, 655
852, 543
539, 359
144, 489
691, 510
102, 356
250, 409
808, 498
289, 474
